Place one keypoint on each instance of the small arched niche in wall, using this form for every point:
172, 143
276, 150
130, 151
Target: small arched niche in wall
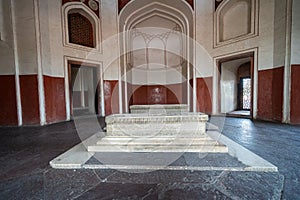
81, 27
235, 20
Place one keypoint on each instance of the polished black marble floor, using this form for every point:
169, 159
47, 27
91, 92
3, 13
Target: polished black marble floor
25, 173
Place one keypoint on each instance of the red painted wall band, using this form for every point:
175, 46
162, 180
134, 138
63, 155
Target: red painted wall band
8, 102
30, 99
204, 95
55, 102
295, 94
155, 94
270, 94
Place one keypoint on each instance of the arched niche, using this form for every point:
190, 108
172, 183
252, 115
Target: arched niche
157, 33
89, 18
235, 20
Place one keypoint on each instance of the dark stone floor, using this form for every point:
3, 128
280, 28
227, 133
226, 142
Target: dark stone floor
277, 143
171, 159
25, 173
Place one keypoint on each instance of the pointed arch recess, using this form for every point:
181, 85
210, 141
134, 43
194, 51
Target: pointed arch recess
133, 13
230, 13
86, 12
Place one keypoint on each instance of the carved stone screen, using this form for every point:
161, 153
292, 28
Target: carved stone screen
80, 30
246, 93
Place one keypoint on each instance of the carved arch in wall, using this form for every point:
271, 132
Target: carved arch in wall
87, 13
235, 20
178, 13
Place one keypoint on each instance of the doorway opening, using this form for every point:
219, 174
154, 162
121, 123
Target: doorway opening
84, 95
236, 86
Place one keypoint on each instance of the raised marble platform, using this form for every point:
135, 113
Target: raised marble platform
78, 158
159, 108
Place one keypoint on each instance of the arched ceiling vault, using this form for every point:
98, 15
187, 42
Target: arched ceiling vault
123, 3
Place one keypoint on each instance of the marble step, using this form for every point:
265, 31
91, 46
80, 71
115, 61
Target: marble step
159, 148
163, 140
128, 131
156, 142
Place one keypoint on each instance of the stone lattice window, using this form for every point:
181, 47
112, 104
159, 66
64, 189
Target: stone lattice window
246, 93
80, 30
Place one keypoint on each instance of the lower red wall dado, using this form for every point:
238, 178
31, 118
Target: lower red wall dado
155, 94
111, 97
270, 94
204, 95
295, 94
172, 94
29, 99
8, 101
55, 102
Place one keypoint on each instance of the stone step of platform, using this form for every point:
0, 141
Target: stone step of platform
165, 148
158, 141
157, 144
152, 132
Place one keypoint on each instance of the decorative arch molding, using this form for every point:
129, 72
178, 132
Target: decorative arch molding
180, 12
235, 20
94, 5
123, 3
78, 7
160, 13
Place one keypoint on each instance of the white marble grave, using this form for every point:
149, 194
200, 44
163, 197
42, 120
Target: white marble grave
170, 128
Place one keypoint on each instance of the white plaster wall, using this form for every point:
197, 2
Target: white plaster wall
51, 38
6, 41
45, 31
109, 12
26, 36
204, 38
157, 21
264, 41
295, 47
2, 15
228, 86
279, 33
240, 15
162, 76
